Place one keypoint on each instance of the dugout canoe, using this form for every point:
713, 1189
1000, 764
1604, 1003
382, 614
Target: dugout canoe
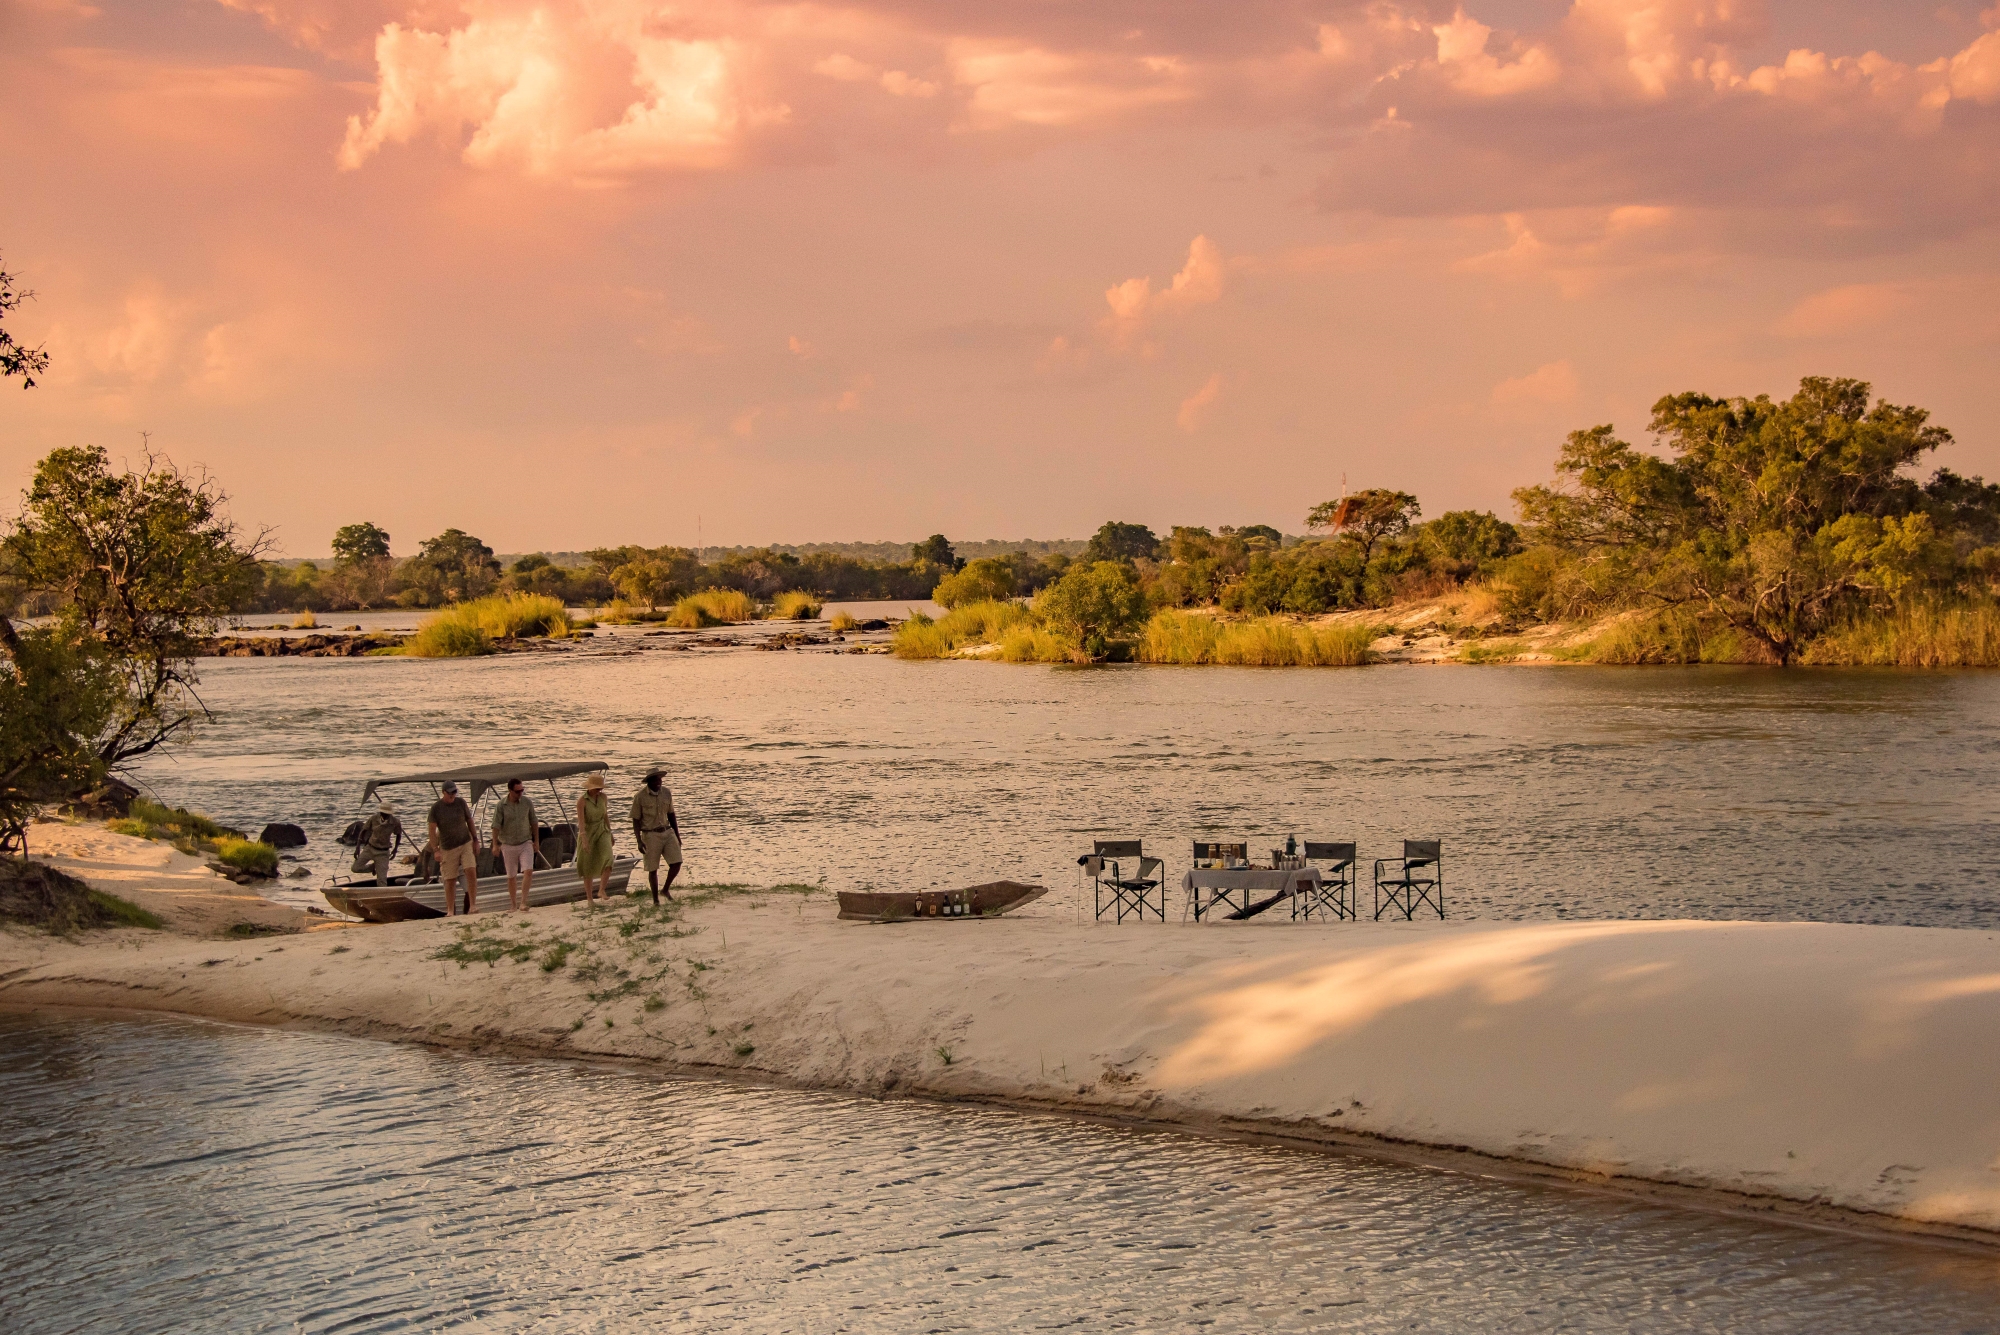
984, 901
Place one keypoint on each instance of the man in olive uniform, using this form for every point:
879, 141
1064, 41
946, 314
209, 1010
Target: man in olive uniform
514, 833
457, 846
381, 836
658, 831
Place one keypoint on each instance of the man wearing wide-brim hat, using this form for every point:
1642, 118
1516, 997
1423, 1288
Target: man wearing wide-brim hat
658, 830
381, 835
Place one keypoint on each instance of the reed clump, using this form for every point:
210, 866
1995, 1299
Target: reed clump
1931, 633
305, 621
1192, 640
618, 612
465, 630
247, 855
711, 607
842, 622
986, 622
1039, 644
795, 605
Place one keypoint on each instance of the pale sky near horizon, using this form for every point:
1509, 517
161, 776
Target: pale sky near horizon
566, 273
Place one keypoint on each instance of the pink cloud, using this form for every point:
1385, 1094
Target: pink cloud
1547, 386
1134, 300
1194, 408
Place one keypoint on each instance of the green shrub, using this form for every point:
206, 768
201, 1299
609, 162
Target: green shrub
1091, 604
151, 820
795, 605
988, 579
247, 855
454, 632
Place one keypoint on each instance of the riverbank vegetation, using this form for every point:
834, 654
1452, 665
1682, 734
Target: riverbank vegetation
465, 630
193, 833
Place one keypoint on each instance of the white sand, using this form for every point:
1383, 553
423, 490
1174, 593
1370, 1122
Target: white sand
1798, 1067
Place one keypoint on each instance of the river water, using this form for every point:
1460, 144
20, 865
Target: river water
169, 1175
1559, 792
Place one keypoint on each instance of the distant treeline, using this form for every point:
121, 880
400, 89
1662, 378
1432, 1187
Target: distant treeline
456, 566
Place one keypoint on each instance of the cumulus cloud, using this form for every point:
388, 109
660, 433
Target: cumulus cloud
1134, 300
1845, 310
1548, 386
589, 90
1010, 83
1194, 408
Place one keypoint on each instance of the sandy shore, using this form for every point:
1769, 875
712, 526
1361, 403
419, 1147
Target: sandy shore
1832, 1073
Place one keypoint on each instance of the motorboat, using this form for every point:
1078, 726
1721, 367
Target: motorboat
416, 892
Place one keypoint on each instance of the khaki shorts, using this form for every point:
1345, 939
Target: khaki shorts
658, 843
451, 861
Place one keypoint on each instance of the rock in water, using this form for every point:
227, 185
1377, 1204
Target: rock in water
351, 836
283, 836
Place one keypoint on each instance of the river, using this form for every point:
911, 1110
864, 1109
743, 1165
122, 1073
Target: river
1847, 796
171, 1175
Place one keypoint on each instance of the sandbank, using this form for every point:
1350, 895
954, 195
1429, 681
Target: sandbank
1827, 1073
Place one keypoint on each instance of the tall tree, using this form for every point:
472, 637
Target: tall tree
1776, 516
16, 360
935, 551
451, 568
135, 568
1367, 517
1115, 541
360, 542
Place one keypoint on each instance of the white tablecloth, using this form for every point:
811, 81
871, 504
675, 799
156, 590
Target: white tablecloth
1289, 881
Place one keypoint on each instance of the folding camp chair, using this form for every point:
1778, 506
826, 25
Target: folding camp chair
1333, 897
1110, 888
1412, 880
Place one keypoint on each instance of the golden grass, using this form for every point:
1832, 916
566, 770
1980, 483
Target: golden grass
618, 612
1037, 644
795, 605
1926, 634
464, 630
987, 622
1188, 639
305, 621
843, 622
712, 607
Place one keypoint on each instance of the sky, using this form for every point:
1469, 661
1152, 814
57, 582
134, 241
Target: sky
565, 273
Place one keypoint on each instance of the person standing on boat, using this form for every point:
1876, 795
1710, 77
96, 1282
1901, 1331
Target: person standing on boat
514, 831
593, 852
381, 836
658, 831
456, 843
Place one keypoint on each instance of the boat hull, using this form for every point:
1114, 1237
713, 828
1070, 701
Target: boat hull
408, 902
988, 901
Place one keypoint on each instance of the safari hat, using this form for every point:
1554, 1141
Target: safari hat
594, 783
386, 807
655, 773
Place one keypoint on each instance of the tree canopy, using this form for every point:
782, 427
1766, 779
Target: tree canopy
134, 568
1115, 541
15, 358
1776, 516
360, 542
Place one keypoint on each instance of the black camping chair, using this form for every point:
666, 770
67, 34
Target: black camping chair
1412, 880
1333, 897
1213, 853
1110, 888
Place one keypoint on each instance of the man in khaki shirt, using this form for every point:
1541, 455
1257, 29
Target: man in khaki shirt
658, 831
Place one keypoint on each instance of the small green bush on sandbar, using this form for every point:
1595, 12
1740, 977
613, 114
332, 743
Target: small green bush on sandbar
151, 820
247, 855
795, 605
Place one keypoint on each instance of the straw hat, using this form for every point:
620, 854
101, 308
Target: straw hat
593, 784
386, 807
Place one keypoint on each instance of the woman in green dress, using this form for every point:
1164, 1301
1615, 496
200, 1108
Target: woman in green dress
593, 849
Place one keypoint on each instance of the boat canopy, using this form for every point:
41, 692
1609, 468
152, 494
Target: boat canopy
479, 778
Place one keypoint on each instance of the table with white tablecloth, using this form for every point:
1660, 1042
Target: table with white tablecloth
1241, 891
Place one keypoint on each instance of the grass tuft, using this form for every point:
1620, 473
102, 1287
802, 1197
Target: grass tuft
795, 605
247, 855
1924, 634
1189, 639
305, 621
987, 622
451, 633
466, 630
711, 607
843, 622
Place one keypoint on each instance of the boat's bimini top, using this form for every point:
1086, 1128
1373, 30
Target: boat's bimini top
480, 778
